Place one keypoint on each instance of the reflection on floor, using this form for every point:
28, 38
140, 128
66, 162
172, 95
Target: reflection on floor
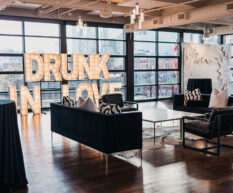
67, 167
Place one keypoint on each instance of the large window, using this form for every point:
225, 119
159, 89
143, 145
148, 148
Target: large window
193, 37
11, 56
44, 38
100, 40
17, 38
156, 64
155, 56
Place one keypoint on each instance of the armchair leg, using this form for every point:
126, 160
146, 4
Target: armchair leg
52, 138
183, 132
141, 158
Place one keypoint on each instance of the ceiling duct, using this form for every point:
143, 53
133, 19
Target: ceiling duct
183, 15
106, 10
158, 21
229, 6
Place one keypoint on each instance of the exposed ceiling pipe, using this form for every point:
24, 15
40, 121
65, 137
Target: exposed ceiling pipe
207, 13
68, 11
171, 6
115, 8
47, 11
4, 4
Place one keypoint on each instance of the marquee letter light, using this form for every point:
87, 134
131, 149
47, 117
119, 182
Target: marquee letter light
103, 67
64, 68
28, 58
82, 87
13, 95
97, 66
54, 68
113, 86
96, 92
26, 98
65, 90
83, 65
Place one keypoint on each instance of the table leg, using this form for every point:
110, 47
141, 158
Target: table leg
154, 134
181, 129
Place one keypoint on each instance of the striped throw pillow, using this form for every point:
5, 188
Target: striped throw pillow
194, 95
109, 108
68, 101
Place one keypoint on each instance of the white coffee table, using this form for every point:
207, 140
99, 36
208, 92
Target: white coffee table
159, 115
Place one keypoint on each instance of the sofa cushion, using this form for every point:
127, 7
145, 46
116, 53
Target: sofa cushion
194, 95
89, 105
201, 103
200, 110
218, 99
68, 101
109, 108
198, 128
80, 101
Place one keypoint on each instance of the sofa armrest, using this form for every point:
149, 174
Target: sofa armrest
195, 119
206, 99
131, 103
178, 100
123, 132
230, 101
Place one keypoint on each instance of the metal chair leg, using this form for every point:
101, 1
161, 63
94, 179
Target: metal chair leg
52, 138
183, 131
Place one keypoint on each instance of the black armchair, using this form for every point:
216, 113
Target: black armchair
118, 99
220, 123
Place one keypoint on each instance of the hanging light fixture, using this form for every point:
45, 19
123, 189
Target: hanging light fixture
80, 25
106, 10
137, 15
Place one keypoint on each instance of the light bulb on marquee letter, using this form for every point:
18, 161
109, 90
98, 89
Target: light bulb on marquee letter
65, 90
28, 58
103, 67
64, 68
96, 93
104, 89
13, 95
82, 87
114, 86
26, 98
83, 66
54, 68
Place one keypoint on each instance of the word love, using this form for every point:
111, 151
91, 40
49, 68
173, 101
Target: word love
54, 63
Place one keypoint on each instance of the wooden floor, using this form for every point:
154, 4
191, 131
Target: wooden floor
65, 167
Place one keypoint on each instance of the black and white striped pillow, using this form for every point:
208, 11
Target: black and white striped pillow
68, 101
109, 108
194, 95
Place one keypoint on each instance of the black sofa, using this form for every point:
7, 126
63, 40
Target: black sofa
105, 133
205, 86
195, 106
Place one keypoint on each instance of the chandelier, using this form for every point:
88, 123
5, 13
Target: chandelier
137, 15
80, 25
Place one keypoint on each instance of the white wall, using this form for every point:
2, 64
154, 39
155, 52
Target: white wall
207, 61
